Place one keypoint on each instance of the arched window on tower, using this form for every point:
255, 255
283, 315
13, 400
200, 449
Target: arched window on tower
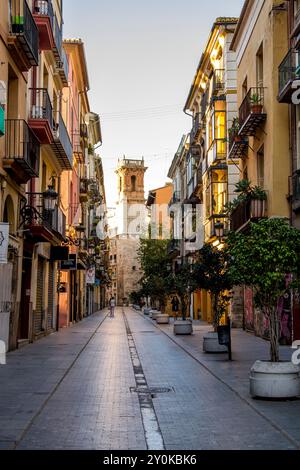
120, 184
133, 183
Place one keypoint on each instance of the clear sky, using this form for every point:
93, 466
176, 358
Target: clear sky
142, 57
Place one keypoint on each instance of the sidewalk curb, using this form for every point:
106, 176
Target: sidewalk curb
249, 402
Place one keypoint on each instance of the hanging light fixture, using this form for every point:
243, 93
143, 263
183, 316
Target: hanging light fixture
50, 199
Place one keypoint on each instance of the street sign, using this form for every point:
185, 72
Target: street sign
91, 275
4, 238
70, 264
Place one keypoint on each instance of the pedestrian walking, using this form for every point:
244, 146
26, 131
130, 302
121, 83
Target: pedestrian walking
112, 305
175, 306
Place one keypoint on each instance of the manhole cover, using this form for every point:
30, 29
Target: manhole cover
151, 390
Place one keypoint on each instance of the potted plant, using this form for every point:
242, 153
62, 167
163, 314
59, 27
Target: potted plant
258, 202
267, 259
256, 103
211, 274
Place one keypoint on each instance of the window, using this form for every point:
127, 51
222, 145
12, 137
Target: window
245, 88
133, 183
133, 268
120, 184
260, 67
216, 193
261, 167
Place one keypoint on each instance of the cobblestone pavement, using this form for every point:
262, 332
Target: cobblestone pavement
76, 389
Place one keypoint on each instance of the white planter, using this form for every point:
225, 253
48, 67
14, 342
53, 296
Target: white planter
162, 319
183, 327
211, 344
275, 380
147, 311
4, 328
154, 314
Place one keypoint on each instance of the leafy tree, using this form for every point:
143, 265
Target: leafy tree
268, 260
183, 284
211, 274
153, 255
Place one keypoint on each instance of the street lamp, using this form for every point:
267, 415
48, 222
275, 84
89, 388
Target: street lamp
219, 230
50, 199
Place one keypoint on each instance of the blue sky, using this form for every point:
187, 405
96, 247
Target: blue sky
142, 57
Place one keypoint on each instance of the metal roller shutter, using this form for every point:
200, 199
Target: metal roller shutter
38, 318
51, 294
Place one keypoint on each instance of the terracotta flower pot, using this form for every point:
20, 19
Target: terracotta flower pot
256, 108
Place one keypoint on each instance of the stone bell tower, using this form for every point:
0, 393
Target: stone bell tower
131, 219
131, 196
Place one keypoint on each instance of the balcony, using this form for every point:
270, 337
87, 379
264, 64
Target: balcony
44, 17
23, 39
42, 225
61, 144
77, 147
289, 70
217, 151
22, 151
295, 192
2, 120
251, 113
174, 248
41, 115
196, 130
84, 189
204, 104
218, 83
62, 68
246, 212
238, 145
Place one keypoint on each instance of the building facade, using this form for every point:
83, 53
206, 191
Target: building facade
262, 131
287, 77
43, 95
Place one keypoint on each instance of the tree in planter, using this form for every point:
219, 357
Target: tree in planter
265, 259
153, 255
182, 284
211, 274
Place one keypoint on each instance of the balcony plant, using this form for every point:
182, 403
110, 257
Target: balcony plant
234, 131
256, 103
267, 259
246, 192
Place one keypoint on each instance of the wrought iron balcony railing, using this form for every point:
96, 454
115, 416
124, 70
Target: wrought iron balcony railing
252, 112
22, 151
246, 211
238, 145
39, 221
23, 41
62, 145
289, 70
44, 8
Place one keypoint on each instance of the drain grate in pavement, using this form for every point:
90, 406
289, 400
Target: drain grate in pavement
152, 390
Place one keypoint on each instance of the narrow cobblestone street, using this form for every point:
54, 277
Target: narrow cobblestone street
84, 388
